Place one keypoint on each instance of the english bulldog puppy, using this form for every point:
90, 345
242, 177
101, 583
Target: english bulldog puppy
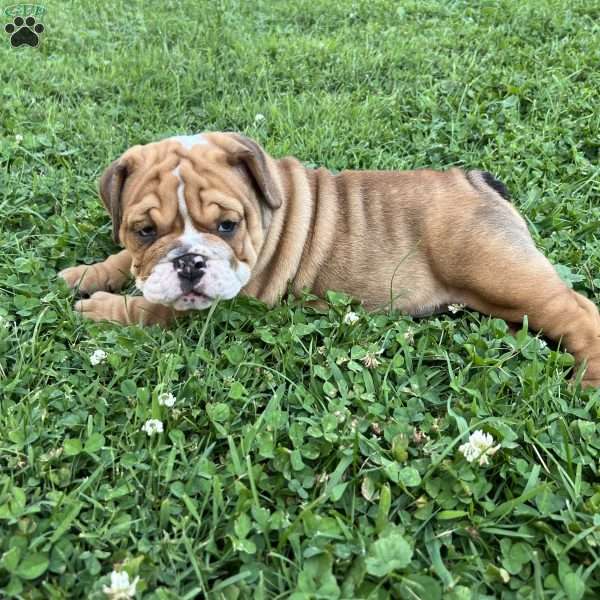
211, 216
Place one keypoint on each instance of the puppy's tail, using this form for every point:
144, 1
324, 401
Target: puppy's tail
482, 181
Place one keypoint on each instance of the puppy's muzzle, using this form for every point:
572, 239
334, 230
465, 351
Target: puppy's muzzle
189, 268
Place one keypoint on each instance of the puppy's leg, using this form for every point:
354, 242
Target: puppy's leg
511, 281
486, 257
109, 275
128, 310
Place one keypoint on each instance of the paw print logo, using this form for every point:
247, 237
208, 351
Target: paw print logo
24, 32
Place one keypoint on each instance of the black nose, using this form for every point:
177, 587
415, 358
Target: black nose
189, 267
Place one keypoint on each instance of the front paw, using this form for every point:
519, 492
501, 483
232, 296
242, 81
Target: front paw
86, 279
102, 306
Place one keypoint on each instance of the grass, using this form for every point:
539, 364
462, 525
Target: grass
287, 467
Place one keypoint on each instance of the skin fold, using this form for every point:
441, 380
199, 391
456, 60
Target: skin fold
414, 240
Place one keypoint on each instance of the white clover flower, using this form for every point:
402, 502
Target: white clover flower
259, 118
350, 318
340, 416
420, 437
167, 399
409, 335
479, 447
152, 426
55, 452
97, 357
18, 138
370, 360
454, 308
120, 586
376, 428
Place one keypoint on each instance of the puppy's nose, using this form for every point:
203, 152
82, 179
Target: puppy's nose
189, 267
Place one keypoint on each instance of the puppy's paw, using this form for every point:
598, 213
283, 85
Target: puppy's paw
102, 306
86, 279
590, 383
591, 375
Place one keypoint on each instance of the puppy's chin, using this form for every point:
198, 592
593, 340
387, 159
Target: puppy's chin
193, 301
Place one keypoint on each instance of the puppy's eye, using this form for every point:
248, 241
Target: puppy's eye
227, 226
147, 232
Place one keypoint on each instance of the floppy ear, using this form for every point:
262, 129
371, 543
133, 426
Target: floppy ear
254, 159
111, 187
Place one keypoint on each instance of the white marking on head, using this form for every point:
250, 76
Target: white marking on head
188, 141
190, 235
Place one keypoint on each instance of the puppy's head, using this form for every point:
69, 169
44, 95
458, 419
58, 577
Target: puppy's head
193, 212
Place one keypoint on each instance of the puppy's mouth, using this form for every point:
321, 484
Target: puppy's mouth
192, 300
193, 295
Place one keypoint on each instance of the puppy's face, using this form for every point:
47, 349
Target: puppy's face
193, 212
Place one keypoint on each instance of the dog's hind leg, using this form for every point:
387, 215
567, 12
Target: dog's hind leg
489, 262
514, 280
107, 276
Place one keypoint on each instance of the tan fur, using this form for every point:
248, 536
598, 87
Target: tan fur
413, 240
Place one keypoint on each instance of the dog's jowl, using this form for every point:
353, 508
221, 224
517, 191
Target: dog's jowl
212, 216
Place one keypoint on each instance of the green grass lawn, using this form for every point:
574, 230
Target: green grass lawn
305, 457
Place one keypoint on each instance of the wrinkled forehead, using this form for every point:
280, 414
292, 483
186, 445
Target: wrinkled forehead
158, 169
150, 161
